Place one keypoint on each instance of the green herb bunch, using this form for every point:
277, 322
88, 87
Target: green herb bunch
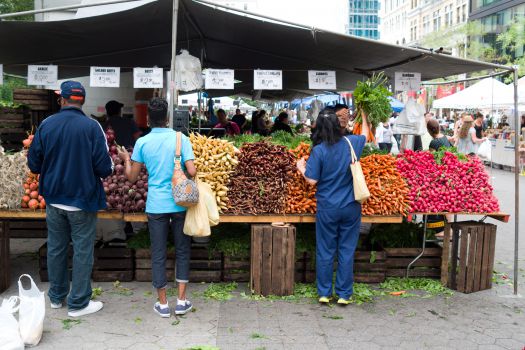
371, 97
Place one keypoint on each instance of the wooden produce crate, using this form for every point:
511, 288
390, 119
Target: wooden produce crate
305, 268
28, 228
236, 269
110, 264
471, 252
36, 99
272, 260
204, 267
14, 122
398, 259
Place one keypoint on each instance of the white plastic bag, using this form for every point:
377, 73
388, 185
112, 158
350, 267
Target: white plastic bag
197, 222
188, 72
31, 312
411, 121
485, 150
9, 333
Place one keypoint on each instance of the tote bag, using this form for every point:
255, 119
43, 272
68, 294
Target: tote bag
185, 191
361, 192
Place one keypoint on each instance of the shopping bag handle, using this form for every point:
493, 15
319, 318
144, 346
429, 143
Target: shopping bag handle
33, 284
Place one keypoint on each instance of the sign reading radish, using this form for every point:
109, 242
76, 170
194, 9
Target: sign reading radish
268, 80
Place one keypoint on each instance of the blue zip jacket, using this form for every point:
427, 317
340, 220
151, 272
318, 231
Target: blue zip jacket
70, 153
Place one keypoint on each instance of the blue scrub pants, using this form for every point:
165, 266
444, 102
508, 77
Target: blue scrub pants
337, 231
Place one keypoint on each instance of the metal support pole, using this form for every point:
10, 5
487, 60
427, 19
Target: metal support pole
425, 219
516, 180
173, 93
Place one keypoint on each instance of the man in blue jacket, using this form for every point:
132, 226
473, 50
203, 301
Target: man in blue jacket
70, 153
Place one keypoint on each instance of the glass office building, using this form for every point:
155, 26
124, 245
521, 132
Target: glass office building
363, 18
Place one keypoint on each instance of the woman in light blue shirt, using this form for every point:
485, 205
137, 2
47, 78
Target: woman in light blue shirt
157, 152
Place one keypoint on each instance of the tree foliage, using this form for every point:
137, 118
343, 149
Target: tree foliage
10, 6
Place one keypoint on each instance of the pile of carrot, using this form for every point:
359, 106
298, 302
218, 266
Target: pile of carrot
388, 190
300, 196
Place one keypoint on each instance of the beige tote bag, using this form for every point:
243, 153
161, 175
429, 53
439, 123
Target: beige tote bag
361, 192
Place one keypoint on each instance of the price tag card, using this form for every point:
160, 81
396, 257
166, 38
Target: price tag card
1, 74
221, 79
42, 75
406, 81
322, 80
268, 79
148, 78
104, 77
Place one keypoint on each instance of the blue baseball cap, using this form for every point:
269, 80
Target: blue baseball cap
72, 90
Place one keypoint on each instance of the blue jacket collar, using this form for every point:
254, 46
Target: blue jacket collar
72, 108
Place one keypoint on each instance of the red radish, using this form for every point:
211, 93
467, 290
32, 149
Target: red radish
33, 195
26, 199
33, 204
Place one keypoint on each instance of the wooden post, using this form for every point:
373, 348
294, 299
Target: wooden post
5, 276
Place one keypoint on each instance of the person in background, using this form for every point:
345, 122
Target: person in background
255, 116
240, 120
426, 138
231, 127
281, 123
384, 137
70, 153
467, 142
487, 122
522, 122
126, 130
343, 114
157, 152
478, 125
338, 217
438, 139
262, 125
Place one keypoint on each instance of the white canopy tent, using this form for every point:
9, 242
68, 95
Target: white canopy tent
483, 94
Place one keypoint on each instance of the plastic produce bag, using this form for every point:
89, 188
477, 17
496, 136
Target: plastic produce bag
188, 72
197, 222
208, 197
411, 121
31, 312
9, 333
485, 150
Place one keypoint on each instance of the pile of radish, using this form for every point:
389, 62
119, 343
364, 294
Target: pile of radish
450, 185
121, 194
32, 199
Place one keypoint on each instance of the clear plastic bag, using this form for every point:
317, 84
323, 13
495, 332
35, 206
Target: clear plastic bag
9, 334
485, 150
411, 121
188, 72
31, 312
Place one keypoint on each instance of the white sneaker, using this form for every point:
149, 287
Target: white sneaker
56, 306
92, 307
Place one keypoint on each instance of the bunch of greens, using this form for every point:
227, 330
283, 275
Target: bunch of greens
8, 104
438, 155
404, 235
240, 140
288, 140
370, 149
371, 97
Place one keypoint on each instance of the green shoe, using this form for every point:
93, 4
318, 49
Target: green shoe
342, 301
324, 300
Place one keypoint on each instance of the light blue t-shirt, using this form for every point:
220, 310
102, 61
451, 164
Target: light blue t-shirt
157, 150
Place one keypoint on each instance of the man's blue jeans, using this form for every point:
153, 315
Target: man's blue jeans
159, 225
78, 227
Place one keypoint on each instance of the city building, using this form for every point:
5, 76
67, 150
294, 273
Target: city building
363, 18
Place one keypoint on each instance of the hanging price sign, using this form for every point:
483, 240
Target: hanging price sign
42, 75
406, 81
322, 80
105, 77
268, 80
221, 79
147, 78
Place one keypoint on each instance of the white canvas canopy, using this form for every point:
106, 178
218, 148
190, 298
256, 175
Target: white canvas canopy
483, 94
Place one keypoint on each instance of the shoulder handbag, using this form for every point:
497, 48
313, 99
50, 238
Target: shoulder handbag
361, 192
185, 191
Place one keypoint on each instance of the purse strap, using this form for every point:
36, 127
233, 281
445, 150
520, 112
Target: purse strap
353, 156
178, 143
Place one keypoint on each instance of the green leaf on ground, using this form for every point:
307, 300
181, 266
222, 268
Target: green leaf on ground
333, 317
202, 347
257, 336
172, 292
138, 320
392, 312
148, 294
120, 290
218, 291
175, 323
68, 323
430, 286
96, 292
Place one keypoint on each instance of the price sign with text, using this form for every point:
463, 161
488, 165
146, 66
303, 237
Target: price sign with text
407, 81
322, 80
105, 77
1, 74
268, 80
221, 79
42, 75
147, 78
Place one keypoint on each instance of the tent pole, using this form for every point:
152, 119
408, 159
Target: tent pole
516, 179
173, 94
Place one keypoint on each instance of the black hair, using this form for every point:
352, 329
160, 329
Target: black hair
340, 106
327, 128
157, 112
221, 111
262, 112
282, 116
237, 110
113, 109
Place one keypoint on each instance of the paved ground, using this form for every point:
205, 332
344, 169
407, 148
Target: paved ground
491, 319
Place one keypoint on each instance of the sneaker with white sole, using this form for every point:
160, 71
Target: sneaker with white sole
183, 307
92, 307
56, 305
161, 310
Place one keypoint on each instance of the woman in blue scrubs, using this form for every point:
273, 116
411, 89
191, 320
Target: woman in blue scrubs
338, 215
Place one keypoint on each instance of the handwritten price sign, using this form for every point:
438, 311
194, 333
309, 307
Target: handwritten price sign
220, 79
104, 77
42, 75
321, 80
406, 81
268, 80
148, 78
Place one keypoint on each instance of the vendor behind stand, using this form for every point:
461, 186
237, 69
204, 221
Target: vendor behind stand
231, 127
240, 120
281, 123
126, 130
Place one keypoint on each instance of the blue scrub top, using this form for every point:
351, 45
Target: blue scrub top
330, 166
157, 150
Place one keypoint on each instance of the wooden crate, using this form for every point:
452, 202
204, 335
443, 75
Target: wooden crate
5, 277
470, 266
398, 259
272, 260
28, 228
204, 267
236, 269
36, 99
305, 268
14, 122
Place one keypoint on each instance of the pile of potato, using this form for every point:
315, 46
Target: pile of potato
215, 160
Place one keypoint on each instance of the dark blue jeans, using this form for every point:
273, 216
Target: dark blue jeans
337, 234
78, 227
159, 225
